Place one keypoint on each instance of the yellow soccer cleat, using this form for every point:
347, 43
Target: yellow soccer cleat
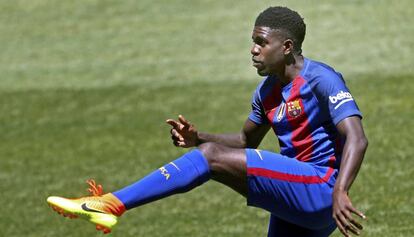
102, 210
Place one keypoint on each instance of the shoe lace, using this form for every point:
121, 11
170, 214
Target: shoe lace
94, 189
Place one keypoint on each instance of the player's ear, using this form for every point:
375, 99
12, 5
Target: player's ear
288, 46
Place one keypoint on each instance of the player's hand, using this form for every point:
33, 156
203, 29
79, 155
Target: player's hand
342, 213
183, 133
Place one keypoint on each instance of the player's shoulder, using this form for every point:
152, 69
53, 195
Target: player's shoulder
316, 72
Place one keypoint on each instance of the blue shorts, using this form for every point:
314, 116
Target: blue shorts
297, 194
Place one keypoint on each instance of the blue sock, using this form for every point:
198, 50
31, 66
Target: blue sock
181, 175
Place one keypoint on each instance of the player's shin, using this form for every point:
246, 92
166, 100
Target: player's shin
181, 175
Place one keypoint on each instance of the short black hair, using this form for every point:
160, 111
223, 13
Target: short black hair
287, 21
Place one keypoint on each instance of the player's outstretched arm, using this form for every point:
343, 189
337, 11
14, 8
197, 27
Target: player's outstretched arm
353, 154
184, 134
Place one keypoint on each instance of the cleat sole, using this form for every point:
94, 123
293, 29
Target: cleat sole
62, 212
104, 229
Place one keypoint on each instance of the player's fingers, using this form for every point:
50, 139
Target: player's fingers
351, 219
356, 224
174, 138
177, 135
181, 144
176, 125
343, 225
346, 220
352, 228
184, 121
357, 212
173, 123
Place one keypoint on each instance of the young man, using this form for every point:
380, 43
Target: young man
322, 143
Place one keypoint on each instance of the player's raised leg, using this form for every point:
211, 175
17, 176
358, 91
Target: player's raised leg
225, 165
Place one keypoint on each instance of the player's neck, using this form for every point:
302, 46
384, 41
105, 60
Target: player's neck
291, 70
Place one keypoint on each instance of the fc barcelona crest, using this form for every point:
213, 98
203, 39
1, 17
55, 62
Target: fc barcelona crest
294, 109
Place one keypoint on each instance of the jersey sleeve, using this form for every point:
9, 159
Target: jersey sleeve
257, 114
331, 91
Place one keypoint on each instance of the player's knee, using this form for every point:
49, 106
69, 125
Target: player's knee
210, 151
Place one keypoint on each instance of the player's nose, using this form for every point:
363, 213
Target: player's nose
255, 50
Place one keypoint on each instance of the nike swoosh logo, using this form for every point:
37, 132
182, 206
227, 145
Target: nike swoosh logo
85, 208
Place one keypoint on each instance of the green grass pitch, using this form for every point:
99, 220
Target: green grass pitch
85, 88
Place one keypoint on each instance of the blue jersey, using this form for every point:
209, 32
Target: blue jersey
303, 114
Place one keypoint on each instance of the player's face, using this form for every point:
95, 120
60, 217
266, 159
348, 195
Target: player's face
268, 51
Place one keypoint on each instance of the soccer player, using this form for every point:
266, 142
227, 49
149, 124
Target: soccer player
318, 125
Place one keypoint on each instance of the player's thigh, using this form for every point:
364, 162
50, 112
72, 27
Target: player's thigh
281, 228
295, 191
